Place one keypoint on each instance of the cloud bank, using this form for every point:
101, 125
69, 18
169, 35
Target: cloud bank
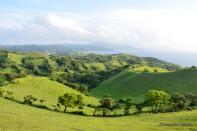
156, 30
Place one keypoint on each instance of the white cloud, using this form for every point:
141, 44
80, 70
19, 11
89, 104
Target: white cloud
66, 23
158, 30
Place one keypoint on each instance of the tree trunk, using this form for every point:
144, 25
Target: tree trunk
115, 113
65, 109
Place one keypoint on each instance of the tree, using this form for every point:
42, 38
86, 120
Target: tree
128, 104
145, 70
106, 105
80, 102
23, 73
191, 98
42, 101
178, 102
115, 107
156, 70
157, 99
68, 100
139, 106
29, 99
193, 67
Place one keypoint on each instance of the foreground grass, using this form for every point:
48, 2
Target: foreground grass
17, 117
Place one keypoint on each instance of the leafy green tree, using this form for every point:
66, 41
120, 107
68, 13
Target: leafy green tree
80, 102
191, 98
128, 105
139, 106
157, 99
178, 102
96, 109
115, 107
106, 104
68, 100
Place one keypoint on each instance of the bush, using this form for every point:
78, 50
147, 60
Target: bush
29, 99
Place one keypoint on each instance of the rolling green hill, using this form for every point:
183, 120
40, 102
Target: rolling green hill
43, 88
134, 84
14, 117
87, 70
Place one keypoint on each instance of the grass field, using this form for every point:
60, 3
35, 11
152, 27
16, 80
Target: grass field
42, 87
17, 117
135, 84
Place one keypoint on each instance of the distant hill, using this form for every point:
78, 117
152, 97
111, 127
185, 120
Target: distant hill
135, 84
89, 70
65, 49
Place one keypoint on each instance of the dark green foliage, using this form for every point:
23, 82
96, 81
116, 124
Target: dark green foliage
81, 88
139, 106
80, 102
145, 70
106, 105
191, 98
178, 102
128, 104
42, 101
116, 107
29, 99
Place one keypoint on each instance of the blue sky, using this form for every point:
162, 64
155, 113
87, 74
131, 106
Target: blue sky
158, 26
94, 5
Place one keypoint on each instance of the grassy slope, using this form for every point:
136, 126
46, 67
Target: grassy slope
14, 116
42, 87
129, 83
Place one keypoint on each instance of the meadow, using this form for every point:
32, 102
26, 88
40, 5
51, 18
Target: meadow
44, 88
135, 83
14, 116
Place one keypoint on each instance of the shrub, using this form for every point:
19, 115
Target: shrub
29, 99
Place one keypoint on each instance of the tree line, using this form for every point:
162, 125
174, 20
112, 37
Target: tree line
155, 102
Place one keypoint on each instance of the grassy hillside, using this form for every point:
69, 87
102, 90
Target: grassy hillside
42, 87
134, 84
14, 116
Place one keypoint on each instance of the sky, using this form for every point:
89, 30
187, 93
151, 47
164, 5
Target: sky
158, 26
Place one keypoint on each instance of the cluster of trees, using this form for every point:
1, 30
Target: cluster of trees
89, 70
38, 66
30, 99
157, 101
6, 94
